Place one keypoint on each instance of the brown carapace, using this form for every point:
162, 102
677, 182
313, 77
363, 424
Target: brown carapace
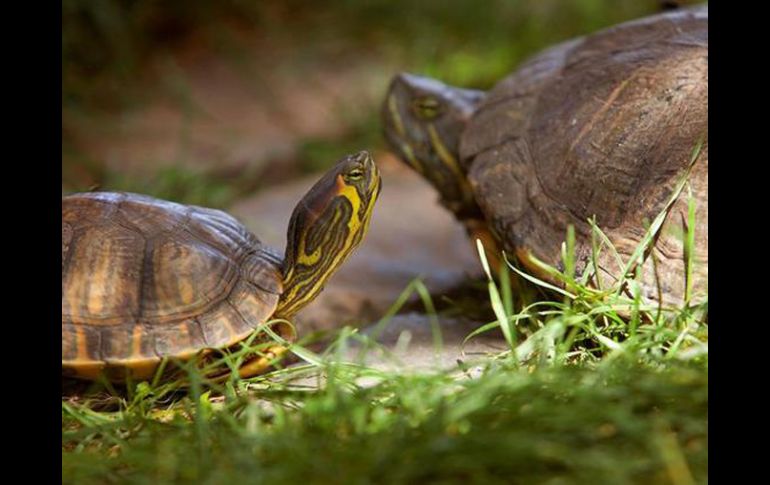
145, 279
600, 126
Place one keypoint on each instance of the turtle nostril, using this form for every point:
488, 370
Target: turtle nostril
363, 157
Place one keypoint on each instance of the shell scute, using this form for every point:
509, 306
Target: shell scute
100, 284
602, 126
186, 277
145, 279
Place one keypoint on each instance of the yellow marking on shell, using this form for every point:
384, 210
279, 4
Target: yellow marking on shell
232, 336
95, 303
81, 344
71, 295
136, 341
186, 292
183, 330
142, 369
87, 370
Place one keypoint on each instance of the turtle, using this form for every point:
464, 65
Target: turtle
604, 127
146, 279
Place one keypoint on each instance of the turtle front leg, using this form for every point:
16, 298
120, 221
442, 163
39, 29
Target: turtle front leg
478, 229
261, 363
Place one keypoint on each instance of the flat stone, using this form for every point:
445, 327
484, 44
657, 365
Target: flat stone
407, 341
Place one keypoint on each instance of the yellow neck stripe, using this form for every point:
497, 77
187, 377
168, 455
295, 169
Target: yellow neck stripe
298, 292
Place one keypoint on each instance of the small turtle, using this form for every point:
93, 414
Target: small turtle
144, 279
600, 126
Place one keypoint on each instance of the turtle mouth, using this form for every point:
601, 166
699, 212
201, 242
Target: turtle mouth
375, 180
403, 149
395, 132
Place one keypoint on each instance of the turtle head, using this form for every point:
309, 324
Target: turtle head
423, 121
327, 225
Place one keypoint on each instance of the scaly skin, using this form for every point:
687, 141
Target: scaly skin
325, 228
175, 306
423, 120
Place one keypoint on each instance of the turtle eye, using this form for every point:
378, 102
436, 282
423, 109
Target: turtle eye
426, 107
355, 175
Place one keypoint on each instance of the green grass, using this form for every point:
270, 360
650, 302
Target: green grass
583, 394
595, 386
614, 318
622, 423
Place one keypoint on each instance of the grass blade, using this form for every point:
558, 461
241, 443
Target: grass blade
495, 300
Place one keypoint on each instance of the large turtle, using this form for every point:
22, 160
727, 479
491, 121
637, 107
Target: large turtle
144, 279
603, 125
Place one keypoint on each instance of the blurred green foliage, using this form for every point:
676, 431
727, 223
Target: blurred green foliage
111, 50
180, 184
317, 154
618, 424
106, 42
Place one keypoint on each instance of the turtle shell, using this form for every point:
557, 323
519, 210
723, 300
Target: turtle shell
604, 126
144, 279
